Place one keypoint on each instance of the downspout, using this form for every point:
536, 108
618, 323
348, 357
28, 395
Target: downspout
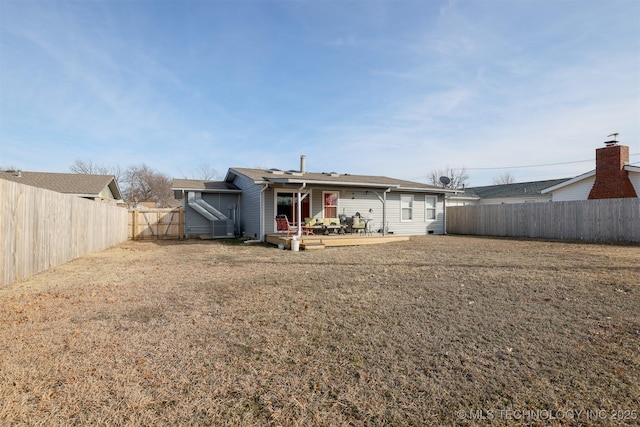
444, 212
262, 211
384, 211
300, 209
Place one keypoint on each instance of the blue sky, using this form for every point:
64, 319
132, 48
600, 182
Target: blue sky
396, 88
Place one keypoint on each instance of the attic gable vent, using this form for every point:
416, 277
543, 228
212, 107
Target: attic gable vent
276, 171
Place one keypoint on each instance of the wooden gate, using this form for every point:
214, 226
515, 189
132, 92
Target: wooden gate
156, 224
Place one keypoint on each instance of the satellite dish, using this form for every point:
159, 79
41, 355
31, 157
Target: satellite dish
445, 180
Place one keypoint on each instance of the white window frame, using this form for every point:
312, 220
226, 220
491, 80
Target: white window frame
337, 206
428, 207
403, 198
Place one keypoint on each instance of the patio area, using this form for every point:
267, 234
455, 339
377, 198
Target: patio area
321, 241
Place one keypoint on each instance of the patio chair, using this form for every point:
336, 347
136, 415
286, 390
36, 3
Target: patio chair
356, 224
284, 226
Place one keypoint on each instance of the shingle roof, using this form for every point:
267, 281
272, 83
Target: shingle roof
68, 183
520, 189
262, 175
203, 185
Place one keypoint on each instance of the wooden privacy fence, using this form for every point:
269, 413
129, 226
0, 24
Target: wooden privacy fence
606, 220
156, 224
40, 229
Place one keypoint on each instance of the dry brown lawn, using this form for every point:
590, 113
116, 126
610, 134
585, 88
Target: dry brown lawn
440, 330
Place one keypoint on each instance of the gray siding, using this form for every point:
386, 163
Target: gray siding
352, 201
249, 209
196, 224
349, 203
269, 211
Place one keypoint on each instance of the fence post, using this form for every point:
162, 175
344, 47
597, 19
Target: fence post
135, 224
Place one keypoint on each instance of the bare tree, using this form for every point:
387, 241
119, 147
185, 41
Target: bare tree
138, 183
457, 177
144, 184
207, 173
505, 178
204, 172
87, 167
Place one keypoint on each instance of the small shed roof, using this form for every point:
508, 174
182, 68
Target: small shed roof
204, 186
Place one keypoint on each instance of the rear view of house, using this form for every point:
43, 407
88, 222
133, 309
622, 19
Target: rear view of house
250, 200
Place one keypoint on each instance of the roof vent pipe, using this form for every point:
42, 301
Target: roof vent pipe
303, 163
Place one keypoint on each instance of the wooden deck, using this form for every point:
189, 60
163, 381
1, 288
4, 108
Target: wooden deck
321, 241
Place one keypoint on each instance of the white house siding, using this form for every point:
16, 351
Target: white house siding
635, 181
249, 209
418, 225
359, 201
458, 202
509, 200
106, 193
576, 191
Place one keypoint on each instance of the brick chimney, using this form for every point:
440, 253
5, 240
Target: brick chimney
612, 181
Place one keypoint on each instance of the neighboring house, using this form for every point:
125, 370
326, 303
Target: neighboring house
522, 192
93, 187
613, 177
247, 201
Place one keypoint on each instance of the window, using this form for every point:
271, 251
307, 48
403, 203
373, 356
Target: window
430, 208
287, 204
330, 204
406, 206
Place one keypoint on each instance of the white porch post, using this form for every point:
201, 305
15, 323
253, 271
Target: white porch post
262, 224
299, 209
384, 212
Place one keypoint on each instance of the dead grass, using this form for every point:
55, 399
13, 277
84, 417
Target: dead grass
441, 330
